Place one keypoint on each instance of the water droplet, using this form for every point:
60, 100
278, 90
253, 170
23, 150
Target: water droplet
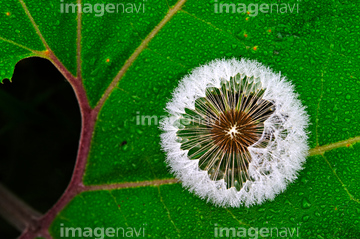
305, 203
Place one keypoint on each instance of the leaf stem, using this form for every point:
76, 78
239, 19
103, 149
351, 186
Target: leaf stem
319, 150
16, 211
88, 118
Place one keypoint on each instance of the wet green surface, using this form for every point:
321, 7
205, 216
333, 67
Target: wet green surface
317, 49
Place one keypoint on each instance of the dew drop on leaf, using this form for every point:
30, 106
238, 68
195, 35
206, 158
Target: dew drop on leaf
305, 204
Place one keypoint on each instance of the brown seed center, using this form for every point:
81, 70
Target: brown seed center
234, 131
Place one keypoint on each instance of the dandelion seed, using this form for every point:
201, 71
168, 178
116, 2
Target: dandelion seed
236, 133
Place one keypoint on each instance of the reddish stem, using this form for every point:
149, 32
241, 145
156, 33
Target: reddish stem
75, 186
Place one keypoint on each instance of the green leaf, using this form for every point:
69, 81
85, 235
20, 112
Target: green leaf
125, 66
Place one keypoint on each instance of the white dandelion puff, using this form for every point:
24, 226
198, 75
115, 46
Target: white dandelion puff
235, 134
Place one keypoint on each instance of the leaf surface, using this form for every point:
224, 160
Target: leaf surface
129, 64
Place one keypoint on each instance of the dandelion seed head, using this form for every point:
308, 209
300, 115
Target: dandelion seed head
235, 134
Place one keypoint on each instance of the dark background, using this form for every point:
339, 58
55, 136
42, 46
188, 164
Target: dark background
39, 133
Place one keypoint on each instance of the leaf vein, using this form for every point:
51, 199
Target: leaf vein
338, 178
137, 52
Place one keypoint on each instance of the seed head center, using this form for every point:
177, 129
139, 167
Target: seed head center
232, 120
233, 131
